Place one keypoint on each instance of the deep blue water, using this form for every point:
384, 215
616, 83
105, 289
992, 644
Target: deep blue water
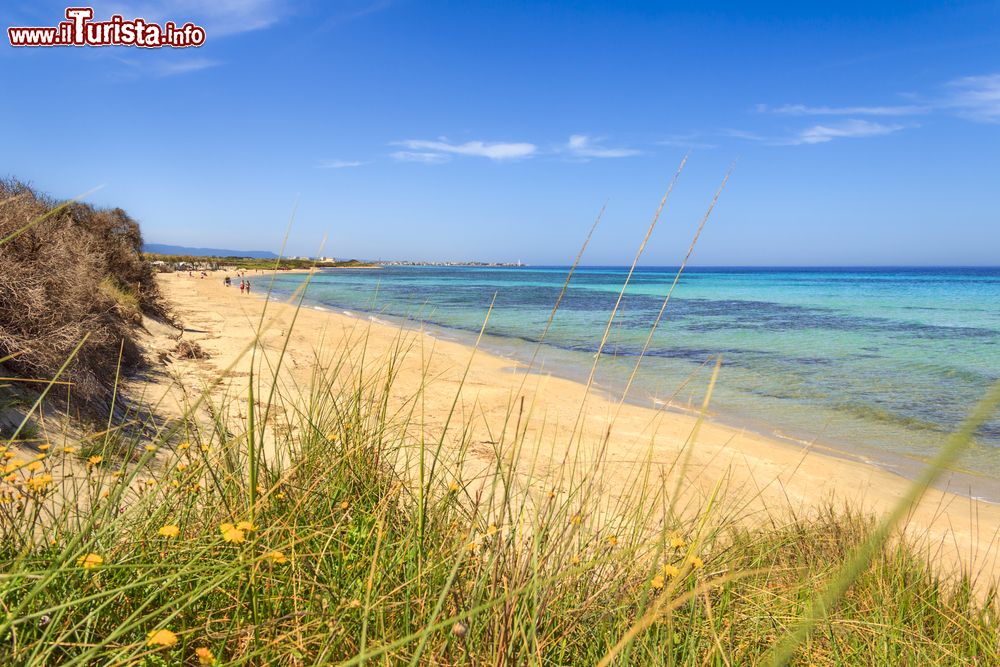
885, 361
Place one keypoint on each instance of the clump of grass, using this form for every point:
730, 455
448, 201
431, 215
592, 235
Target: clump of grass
189, 349
125, 299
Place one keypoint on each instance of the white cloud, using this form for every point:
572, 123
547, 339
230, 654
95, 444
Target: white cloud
162, 64
413, 156
976, 97
440, 150
218, 17
804, 110
583, 146
165, 68
849, 129
690, 141
820, 134
338, 164
742, 134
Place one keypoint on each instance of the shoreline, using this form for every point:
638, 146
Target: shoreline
966, 483
778, 474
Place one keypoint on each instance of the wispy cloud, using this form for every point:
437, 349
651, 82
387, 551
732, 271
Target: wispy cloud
743, 134
805, 110
976, 97
352, 10
582, 146
822, 133
849, 129
218, 17
694, 140
165, 68
416, 156
339, 164
440, 150
162, 65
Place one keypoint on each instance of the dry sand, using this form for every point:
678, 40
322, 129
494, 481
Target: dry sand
770, 477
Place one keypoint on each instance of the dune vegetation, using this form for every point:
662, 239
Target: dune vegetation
319, 525
71, 275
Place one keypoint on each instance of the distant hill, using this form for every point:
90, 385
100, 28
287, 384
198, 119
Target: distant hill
162, 249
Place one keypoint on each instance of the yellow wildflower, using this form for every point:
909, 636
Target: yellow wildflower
95, 459
150, 448
44, 448
39, 483
35, 466
183, 448
69, 450
657, 582
9, 455
276, 557
169, 530
344, 505
491, 529
677, 542
279, 495
671, 570
89, 561
161, 638
105, 493
245, 526
454, 487
205, 657
696, 562
613, 540
231, 533
576, 520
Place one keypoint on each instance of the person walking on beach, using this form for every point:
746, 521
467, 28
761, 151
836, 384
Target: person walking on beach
248, 287
241, 287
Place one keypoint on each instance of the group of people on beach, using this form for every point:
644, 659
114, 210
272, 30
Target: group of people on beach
244, 285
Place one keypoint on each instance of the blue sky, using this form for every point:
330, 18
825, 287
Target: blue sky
862, 133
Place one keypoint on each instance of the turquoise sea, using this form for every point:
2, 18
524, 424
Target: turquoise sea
879, 363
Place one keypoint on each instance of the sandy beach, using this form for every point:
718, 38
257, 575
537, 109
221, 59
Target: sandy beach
764, 478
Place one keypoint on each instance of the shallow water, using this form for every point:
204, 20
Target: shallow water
882, 362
